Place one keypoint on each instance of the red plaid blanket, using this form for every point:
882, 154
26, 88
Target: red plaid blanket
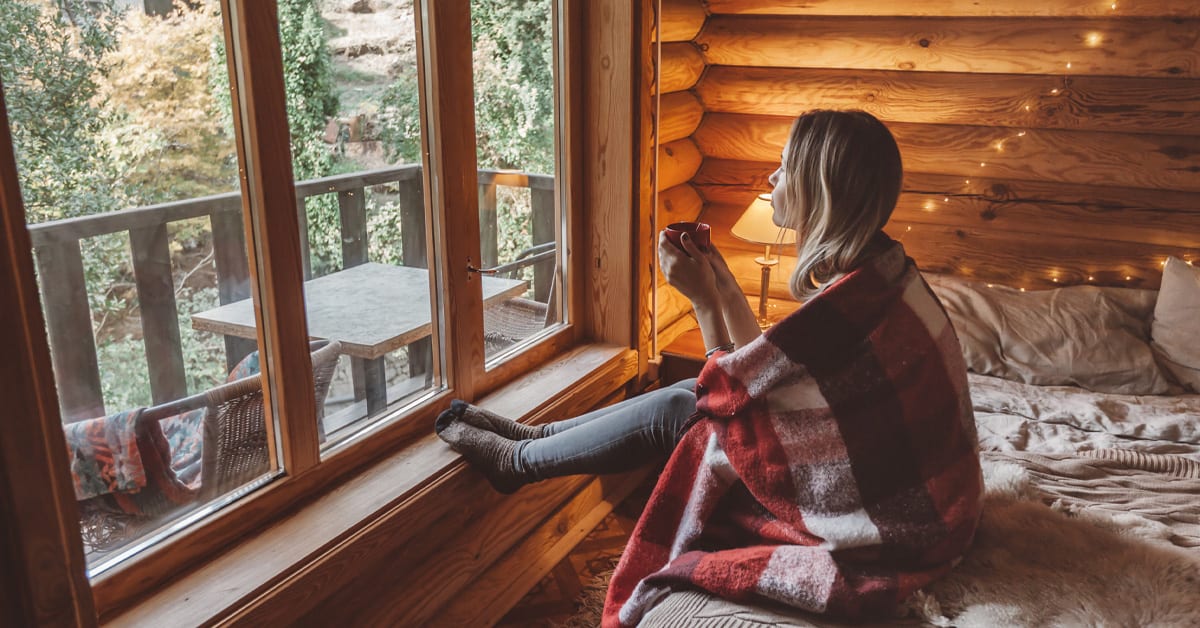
834, 464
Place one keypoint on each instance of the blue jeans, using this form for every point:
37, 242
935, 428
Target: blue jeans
621, 437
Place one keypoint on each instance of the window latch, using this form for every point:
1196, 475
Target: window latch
482, 271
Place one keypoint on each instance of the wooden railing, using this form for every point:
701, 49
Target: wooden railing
64, 289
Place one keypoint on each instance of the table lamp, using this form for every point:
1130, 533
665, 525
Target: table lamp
757, 227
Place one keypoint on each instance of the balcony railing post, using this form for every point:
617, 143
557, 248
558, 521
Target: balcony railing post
233, 275
489, 235
353, 211
69, 327
542, 210
160, 316
416, 254
305, 252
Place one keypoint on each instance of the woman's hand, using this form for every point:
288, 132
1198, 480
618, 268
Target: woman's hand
689, 270
723, 276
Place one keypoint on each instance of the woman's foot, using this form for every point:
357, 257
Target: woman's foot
484, 420
488, 452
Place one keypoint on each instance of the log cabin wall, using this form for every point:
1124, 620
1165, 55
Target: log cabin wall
1045, 142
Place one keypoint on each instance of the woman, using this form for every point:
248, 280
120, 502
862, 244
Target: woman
829, 463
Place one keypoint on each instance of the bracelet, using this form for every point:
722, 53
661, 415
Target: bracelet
725, 347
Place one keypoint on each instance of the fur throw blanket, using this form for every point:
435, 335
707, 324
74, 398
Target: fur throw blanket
833, 465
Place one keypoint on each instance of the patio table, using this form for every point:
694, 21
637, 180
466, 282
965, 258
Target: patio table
372, 309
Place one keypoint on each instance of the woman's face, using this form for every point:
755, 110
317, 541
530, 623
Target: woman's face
778, 181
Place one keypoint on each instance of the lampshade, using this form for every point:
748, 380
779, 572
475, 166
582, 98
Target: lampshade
756, 226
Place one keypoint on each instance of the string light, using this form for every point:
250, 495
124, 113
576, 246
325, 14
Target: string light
1093, 39
1127, 278
1021, 134
1054, 91
1022, 290
982, 164
1068, 65
1114, 6
1090, 278
1028, 108
946, 200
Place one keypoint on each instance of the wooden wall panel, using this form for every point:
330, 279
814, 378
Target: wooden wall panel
1093, 158
679, 203
680, 67
679, 115
1144, 105
681, 19
1152, 48
948, 8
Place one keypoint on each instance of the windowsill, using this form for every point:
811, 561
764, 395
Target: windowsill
267, 561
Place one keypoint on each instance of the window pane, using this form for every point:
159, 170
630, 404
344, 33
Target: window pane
350, 70
516, 131
122, 130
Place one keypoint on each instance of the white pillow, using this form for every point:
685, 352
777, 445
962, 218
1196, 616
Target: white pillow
1175, 329
1095, 338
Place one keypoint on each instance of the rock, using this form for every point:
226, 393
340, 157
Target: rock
362, 6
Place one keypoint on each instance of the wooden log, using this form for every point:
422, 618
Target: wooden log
677, 163
680, 203
681, 20
160, 316
1087, 158
956, 8
1133, 215
1138, 105
1144, 47
680, 68
679, 115
69, 328
1026, 261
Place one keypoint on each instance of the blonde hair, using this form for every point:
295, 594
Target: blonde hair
842, 176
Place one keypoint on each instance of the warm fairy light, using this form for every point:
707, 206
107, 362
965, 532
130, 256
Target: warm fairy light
1054, 279
1022, 290
999, 146
946, 199
1114, 6
1128, 278
1054, 91
1021, 134
907, 229
967, 181
929, 205
1163, 263
1093, 39
1068, 65
1028, 108
991, 286
1090, 278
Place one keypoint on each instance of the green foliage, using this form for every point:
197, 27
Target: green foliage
51, 62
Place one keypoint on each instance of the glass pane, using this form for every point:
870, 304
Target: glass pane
122, 131
516, 132
350, 70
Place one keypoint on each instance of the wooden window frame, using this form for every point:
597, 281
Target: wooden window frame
603, 268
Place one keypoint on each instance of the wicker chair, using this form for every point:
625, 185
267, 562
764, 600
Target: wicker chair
234, 449
512, 320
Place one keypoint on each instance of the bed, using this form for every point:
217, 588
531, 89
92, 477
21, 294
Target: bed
1088, 414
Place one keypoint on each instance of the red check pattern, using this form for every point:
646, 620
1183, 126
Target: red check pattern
833, 465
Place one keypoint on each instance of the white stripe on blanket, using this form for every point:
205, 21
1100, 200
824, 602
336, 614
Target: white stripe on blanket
800, 576
714, 477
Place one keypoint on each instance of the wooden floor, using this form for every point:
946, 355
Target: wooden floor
559, 596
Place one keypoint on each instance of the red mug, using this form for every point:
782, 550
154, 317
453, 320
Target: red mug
697, 231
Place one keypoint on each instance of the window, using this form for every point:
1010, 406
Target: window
186, 376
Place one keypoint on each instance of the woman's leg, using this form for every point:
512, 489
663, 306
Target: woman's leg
624, 406
620, 438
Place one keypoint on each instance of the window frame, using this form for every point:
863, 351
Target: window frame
277, 277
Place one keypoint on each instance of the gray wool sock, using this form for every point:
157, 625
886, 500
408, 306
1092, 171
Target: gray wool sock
491, 454
492, 422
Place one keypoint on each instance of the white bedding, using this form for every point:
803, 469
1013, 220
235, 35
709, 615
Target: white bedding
1012, 416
